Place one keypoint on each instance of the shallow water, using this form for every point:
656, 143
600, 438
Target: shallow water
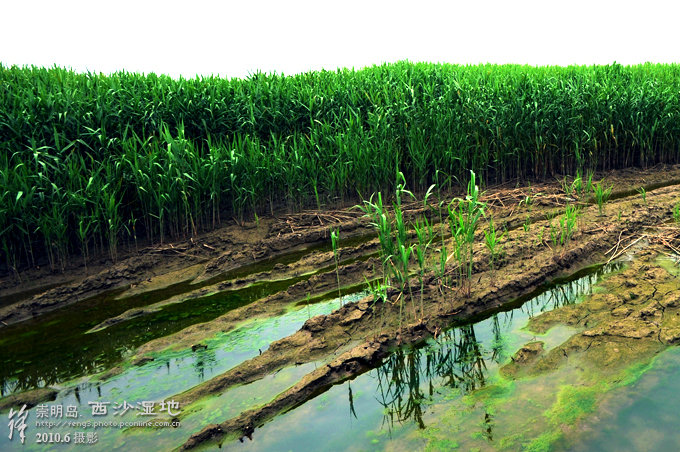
402, 404
640, 417
172, 372
54, 348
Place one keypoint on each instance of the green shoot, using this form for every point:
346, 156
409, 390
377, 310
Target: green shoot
602, 195
491, 240
643, 193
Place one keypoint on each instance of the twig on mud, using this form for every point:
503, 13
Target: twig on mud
668, 254
672, 228
615, 246
448, 287
495, 197
614, 256
397, 299
664, 242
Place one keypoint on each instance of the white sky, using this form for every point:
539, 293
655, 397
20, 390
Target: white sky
234, 39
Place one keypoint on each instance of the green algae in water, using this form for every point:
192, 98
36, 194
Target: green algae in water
642, 417
205, 412
59, 349
446, 394
172, 372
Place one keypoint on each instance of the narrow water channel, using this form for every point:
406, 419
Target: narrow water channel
54, 348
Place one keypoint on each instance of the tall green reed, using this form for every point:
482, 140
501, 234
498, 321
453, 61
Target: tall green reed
191, 153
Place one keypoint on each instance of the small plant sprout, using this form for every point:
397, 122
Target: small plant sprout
440, 267
554, 236
540, 235
377, 289
580, 186
566, 187
676, 213
643, 193
602, 195
589, 183
577, 184
403, 248
382, 223
425, 235
568, 224
491, 240
527, 201
335, 237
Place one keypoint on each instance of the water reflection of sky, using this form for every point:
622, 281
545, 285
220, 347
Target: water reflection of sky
639, 417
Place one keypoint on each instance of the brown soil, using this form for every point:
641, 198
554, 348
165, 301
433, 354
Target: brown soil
522, 357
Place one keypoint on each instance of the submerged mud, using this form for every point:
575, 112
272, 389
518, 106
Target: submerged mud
636, 314
633, 317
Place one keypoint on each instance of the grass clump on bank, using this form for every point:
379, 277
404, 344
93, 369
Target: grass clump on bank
90, 161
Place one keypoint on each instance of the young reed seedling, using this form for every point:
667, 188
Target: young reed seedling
643, 193
491, 240
568, 224
424, 233
602, 195
464, 217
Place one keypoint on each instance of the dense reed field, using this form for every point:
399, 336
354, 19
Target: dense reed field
88, 160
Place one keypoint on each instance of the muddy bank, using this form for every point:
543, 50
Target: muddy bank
234, 246
218, 253
28, 398
516, 277
316, 266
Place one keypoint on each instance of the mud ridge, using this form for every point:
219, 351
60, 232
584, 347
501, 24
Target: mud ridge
325, 335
